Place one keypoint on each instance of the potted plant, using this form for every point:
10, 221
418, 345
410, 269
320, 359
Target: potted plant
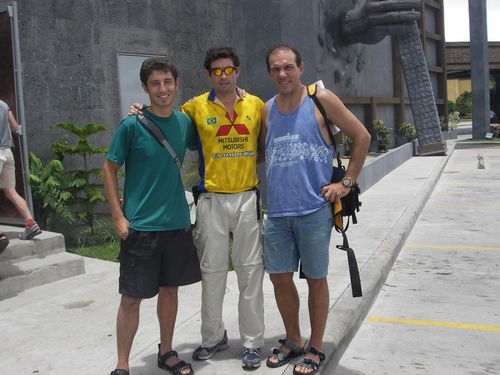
346, 142
382, 134
408, 130
449, 125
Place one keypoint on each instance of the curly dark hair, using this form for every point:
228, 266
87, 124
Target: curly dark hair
220, 53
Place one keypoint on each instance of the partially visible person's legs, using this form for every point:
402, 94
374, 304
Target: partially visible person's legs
8, 185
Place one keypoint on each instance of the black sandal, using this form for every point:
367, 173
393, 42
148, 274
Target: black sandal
175, 369
282, 357
309, 363
119, 371
4, 241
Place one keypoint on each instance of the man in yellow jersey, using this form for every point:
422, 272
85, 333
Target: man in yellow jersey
228, 126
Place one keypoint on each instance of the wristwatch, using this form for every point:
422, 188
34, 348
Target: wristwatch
347, 182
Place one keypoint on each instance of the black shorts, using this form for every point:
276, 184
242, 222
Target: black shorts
150, 260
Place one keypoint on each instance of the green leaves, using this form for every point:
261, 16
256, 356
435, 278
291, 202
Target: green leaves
68, 196
51, 198
82, 146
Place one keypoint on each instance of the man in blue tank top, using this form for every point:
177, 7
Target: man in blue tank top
299, 221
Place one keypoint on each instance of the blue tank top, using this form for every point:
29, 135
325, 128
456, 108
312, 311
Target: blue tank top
298, 161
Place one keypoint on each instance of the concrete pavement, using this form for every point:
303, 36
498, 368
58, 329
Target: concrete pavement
438, 312
67, 327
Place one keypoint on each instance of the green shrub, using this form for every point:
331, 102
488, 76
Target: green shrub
451, 106
409, 130
495, 129
51, 191
464, 104
87, 187
381, 132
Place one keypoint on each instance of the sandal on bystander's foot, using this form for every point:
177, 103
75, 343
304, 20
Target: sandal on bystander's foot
30, 232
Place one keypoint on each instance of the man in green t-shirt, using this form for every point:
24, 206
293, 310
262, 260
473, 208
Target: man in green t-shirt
157, 254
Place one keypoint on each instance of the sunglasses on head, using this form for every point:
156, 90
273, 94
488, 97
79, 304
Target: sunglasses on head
228, 70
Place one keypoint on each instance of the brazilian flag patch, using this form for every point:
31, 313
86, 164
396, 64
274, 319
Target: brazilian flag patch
211, 120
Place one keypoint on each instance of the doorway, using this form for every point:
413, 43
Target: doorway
11, 93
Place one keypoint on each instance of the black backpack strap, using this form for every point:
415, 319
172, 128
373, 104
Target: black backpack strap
311, 91
160, 137
351, 258
353, 267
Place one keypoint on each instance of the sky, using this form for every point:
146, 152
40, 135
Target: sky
456, 20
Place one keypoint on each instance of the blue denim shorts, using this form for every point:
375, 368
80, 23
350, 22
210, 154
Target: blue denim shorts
292, 238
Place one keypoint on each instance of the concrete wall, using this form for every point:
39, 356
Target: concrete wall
357, 70
69, 54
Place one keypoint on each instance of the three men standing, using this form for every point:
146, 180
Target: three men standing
298, 167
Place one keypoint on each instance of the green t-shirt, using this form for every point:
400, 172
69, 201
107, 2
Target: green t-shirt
154, 197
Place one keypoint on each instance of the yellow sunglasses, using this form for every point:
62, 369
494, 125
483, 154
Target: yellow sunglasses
228, 70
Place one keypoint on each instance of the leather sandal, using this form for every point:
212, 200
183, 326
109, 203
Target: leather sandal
119, 371
176, 369
283, 357
309, 363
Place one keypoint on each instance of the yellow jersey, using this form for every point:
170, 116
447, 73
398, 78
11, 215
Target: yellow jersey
227, 144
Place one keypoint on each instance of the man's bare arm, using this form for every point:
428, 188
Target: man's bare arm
12, 122
261, 146
110, 178
354, 129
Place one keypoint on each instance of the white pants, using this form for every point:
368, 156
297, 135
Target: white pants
218, 215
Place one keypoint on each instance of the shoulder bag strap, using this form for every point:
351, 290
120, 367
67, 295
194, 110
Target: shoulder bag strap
351, 258
160, 137
311, 90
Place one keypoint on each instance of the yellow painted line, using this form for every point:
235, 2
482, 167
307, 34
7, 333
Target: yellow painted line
430, 323
464, 207
449, 247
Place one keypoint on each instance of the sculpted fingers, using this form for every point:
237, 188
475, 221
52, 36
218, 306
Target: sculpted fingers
369, 22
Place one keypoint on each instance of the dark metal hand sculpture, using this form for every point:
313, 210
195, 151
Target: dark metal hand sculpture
371, 21
368, 22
